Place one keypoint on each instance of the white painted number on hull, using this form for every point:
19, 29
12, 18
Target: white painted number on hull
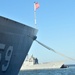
8, 55
2, 46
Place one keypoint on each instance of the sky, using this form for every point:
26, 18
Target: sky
55, 24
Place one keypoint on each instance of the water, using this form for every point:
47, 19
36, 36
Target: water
62, 71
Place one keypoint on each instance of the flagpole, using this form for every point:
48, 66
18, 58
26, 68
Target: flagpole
35, 16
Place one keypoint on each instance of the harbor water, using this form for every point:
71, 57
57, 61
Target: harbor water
62, 71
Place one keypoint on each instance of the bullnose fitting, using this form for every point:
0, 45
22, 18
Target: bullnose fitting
35, 37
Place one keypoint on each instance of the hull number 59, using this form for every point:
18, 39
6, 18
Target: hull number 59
7, 56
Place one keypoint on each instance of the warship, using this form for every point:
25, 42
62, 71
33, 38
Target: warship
15, 41
31, 66
32, 63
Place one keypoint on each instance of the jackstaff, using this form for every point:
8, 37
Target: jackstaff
36, 6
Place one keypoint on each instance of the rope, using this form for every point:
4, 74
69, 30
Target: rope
55, 51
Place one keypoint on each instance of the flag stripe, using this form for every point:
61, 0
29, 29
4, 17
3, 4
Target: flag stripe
37, 5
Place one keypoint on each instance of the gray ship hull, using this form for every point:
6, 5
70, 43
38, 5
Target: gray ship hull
15, 42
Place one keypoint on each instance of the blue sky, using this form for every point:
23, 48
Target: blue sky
55, 22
